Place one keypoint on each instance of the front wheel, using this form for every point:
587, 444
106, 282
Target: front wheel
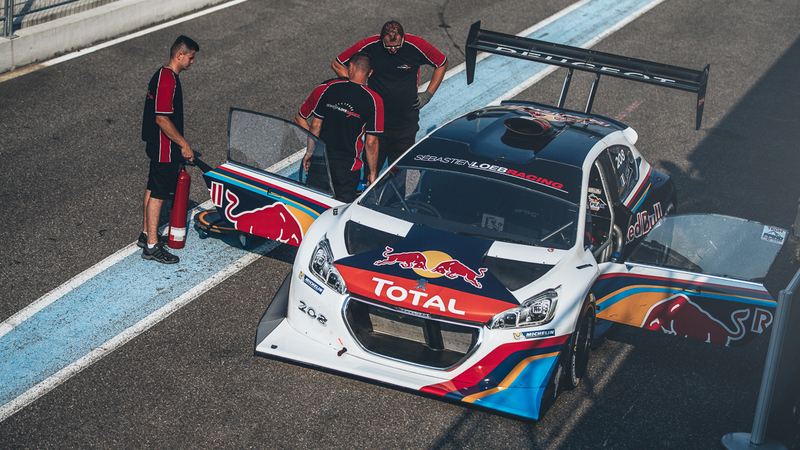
581, 346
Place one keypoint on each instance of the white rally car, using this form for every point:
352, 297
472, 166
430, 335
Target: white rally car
477, 266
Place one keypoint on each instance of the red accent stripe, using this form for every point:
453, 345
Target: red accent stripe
345, 55
644, 186
436, 57
377, 101
261, 182
165, 92
482, 368
164, 148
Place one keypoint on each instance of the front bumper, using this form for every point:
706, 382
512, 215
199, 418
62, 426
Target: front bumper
514, 377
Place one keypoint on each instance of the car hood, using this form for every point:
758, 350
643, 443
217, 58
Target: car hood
433, 272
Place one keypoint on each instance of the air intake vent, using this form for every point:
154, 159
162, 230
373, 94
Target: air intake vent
528, 126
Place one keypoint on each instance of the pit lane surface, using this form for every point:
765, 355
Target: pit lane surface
75, 171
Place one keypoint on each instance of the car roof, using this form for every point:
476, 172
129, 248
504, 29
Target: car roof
525, 143
494, 131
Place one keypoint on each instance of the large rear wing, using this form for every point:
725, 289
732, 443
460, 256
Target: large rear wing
585, 60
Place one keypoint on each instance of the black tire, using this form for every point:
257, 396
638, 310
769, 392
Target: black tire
581, 346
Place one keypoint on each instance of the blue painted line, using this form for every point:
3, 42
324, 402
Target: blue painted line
102, 308
120, 296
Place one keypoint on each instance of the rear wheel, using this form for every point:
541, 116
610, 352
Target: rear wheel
581, 346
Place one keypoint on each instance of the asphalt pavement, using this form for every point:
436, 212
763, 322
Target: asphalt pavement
76, 171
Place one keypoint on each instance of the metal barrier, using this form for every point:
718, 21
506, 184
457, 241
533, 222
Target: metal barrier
15, 12
8, 25
783, 356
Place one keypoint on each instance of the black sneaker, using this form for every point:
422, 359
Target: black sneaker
160, 254
142, 242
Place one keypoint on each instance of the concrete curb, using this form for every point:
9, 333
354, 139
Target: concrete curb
41, 42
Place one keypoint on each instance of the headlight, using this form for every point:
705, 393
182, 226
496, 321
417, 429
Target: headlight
537, 310
322, 266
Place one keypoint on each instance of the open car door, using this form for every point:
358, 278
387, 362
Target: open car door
261, 189
695, 275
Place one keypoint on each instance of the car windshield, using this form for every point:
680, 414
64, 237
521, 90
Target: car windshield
476, 206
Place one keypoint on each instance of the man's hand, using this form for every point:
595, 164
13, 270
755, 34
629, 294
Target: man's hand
422, 99
307, 162
187, 152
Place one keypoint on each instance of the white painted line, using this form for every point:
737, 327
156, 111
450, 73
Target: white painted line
591, 43
24, 314
52, 296
86, 51
121, 339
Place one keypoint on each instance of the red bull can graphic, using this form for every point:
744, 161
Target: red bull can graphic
680, 316
420, 262
273, 221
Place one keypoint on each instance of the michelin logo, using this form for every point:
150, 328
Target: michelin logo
310, 283
533, 334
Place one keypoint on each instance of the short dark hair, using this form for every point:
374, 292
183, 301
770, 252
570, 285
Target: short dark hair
183, 44
392, 29
361, 62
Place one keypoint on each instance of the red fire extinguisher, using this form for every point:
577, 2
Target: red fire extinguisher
177, 217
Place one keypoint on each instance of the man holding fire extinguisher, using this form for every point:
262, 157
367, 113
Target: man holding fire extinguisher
162, 130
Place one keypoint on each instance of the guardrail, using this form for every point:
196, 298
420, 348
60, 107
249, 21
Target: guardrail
8, 8
20, 13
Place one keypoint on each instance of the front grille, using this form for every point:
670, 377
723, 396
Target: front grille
404, 336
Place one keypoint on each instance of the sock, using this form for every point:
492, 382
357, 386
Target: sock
150, 247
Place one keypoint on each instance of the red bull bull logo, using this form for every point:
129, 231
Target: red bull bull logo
273, 221
680, 316
432, 264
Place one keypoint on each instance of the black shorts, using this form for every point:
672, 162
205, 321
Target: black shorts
162, 180
345, 182
392, 144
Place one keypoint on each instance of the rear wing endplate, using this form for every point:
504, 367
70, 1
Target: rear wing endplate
585, 60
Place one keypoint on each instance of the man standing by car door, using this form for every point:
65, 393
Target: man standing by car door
348, 118
396, 59
162, 130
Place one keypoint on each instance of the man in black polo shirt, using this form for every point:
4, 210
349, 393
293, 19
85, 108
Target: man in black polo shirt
162, 130
348, 118
396, 59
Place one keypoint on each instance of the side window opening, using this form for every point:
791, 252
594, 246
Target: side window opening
602, 236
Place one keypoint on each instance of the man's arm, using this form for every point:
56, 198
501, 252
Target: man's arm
436, 78
372, 156
169, 130
298, 119
341, 71
316, 125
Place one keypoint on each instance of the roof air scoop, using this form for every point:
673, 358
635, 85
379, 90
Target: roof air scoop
528, 126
